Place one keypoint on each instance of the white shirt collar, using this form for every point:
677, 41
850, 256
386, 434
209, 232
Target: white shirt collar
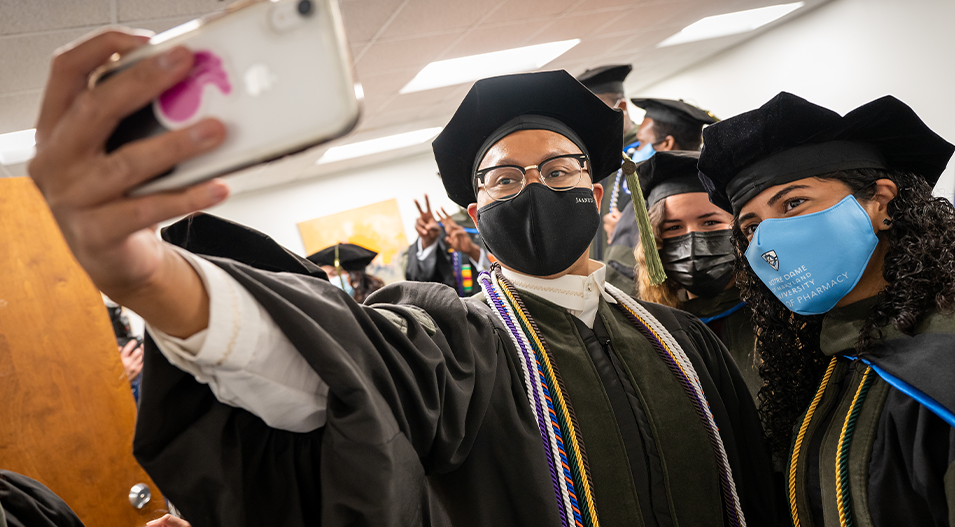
579, 295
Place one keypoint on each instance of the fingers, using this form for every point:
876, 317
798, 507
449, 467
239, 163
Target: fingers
97, 111
143, 212
129, 347
142, 160
168, 521
71, 67
427, 204
418, 205
446, 219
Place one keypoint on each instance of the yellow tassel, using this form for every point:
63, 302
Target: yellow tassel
654, 266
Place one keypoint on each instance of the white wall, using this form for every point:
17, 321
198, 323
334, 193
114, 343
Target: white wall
277, 211
840, 55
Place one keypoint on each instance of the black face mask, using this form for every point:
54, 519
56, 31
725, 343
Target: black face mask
541, 232
702, 262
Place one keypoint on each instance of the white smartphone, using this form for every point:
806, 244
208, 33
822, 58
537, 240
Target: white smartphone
277, 73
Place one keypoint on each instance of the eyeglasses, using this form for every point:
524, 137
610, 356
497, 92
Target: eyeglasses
505, 182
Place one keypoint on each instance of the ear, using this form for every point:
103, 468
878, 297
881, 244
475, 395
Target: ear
472, 212
878, 206
666, 145
598, 194
622, 104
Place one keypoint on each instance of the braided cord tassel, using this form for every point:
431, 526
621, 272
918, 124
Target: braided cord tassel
533, 388
615, 192
650, 253
681, 367
842, 451
797, 444
575, 473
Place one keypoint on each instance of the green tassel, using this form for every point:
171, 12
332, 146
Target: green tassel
654, 266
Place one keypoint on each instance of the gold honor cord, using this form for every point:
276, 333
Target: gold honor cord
653, 264
797, 445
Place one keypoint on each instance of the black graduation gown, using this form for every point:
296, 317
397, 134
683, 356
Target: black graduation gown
734, 330
428, 420
901, 464
25, 502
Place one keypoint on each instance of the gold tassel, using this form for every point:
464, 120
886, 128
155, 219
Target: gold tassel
654, 266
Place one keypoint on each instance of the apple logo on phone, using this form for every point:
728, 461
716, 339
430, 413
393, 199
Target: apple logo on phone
179, 106
258, 79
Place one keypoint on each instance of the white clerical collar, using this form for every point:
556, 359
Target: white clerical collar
579, 295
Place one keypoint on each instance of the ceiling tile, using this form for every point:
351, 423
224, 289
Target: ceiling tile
160, 24
22, 16
128, 10
19, 111
576, 26
439, 14
27, 59
641, 19
486, 39
532, 9
405, 53
363, 18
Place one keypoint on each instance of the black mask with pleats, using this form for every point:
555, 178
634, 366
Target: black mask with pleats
702, 262
541, 232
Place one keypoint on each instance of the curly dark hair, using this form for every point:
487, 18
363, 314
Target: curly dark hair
919, 267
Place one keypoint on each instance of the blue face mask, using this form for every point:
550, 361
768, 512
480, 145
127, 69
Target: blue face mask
343, 284
644, 153
811, 262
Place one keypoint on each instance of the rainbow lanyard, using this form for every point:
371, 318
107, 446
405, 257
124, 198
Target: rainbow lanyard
463, 274
560, 435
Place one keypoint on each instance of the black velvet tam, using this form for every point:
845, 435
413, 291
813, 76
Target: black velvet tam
605, 79
210, 235
496, 101
669, 173
351, 257
676, 112
790, 138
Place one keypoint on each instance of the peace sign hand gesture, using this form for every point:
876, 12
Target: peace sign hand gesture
427, 227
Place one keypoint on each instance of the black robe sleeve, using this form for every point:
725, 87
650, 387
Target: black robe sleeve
731, 403
405, 400
25, 502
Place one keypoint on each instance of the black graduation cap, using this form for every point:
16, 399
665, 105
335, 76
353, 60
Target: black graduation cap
605, 79
351, 257
790, 138
210, 235
498, 101
669, 173
677, 112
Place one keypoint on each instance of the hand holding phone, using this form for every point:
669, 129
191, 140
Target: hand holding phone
277, 74
111, 234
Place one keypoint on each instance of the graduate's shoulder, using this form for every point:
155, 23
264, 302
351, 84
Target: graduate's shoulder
431, 304
672, 318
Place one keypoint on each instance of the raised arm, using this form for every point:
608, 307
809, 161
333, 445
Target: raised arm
112, 235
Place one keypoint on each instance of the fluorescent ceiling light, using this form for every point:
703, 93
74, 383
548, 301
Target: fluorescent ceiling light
375, 146
17, 147
466, 69
730, 23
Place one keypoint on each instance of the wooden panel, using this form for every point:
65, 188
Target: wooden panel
67, 412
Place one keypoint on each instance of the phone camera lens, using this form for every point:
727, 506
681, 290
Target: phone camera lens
305, 7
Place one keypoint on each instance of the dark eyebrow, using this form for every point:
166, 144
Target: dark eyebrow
747, 216
707, 215
779, 195
551, 154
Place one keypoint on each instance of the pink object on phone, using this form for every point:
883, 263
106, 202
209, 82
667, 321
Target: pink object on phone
182, 101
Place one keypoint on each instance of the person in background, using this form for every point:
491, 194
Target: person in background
693, 238
847, 262
668, 125
130, 346
606, 82
273, 398
345, 265
449, 250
